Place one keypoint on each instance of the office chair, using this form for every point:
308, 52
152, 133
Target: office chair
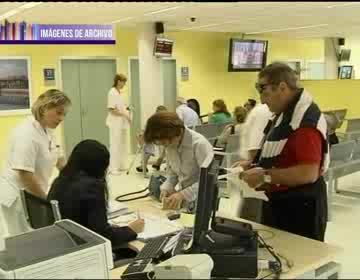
38, 211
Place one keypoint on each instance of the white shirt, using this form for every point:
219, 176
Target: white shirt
252, 133
116, 101
184, 162
31, 149
238, 128
188, 115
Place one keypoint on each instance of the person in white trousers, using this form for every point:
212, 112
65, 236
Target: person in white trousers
32, 156
118, 121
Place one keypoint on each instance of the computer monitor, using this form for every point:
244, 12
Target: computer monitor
247, 55
207, 197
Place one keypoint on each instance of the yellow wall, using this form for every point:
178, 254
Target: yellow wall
206, 55
336, 94
48, 56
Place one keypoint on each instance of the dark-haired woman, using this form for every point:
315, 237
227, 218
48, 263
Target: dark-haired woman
82, 193
194, 104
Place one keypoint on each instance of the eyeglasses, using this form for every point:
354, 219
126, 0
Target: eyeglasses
260, 87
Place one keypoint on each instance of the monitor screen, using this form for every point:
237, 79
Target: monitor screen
247, 55
207, 197
345, 72
163, 47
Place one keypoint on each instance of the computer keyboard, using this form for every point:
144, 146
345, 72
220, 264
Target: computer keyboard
152, 248
138, 269
143, 262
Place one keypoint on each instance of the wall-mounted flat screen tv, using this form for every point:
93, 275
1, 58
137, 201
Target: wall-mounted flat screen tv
247, 55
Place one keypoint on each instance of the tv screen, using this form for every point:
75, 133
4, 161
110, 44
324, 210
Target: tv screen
247, 55
163, 47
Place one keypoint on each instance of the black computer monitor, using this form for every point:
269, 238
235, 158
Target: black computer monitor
207, 197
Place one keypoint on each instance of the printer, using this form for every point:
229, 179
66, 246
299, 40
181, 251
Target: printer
194, 266
64, 250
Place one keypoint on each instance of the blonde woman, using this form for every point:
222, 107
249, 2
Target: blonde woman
32, 156
118, 121
236, 128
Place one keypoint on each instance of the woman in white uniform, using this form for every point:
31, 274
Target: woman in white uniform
118, 122
31, 158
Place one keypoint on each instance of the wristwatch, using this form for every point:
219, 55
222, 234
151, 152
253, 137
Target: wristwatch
267, 177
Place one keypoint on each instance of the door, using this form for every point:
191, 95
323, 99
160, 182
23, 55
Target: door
168, 74
135, 102
87, 83
70, 73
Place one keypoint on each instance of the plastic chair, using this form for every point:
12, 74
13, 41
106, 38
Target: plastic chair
342, 152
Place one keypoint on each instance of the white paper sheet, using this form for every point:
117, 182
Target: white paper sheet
154, 225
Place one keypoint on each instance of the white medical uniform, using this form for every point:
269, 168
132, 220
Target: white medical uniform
252, 133
188, 116
31, 149
118, 129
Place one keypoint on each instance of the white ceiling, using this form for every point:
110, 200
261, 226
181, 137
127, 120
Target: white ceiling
285, 19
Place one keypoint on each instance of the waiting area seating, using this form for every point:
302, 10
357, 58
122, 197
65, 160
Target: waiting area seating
211, 131
345, 160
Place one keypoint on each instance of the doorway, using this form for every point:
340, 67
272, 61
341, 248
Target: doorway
169, 85
87, 83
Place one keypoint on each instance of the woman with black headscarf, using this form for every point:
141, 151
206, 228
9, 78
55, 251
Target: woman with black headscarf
82, 193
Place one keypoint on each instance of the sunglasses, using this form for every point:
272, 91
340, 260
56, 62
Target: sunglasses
261, 87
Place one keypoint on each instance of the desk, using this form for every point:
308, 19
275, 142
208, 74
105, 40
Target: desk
310, 257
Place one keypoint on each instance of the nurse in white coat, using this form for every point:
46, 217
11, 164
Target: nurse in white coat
31, 158
118, 122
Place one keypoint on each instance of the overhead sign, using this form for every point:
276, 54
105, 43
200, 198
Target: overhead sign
24, 33
49, 74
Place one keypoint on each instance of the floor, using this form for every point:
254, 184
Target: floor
343, 230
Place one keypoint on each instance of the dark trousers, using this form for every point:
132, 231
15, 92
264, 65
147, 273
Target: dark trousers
301, 210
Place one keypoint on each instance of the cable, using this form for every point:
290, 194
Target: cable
289, 263
119, 198
272, 234
150, 277
267, 275
277, 269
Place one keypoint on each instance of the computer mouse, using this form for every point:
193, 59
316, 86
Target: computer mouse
173, 216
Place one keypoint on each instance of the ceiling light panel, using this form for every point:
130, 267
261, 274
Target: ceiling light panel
8, 6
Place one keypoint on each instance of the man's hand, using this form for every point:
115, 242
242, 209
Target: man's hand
163, 195
173, 201
254, 177
246, 164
